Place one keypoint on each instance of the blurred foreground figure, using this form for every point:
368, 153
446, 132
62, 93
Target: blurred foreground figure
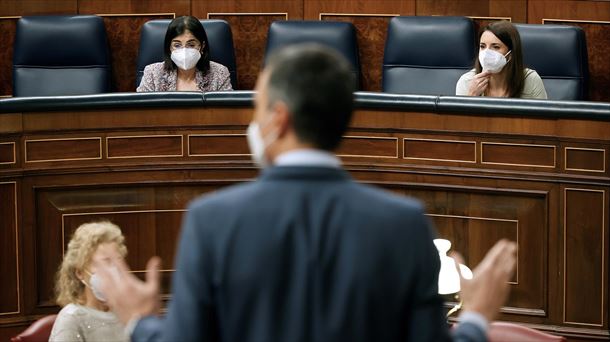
305, 253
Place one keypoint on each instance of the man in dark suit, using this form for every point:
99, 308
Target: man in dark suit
305, 253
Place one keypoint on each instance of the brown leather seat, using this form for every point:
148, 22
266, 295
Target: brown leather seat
38, 331
511, 332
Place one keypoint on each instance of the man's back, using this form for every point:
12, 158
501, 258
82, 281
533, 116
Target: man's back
306, 254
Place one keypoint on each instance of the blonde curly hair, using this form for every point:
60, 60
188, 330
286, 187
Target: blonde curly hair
82, 246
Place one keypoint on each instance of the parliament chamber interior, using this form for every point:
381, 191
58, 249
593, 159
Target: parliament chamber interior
78, 143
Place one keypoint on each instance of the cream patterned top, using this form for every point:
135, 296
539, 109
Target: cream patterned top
533, 88
81, 324
156, 78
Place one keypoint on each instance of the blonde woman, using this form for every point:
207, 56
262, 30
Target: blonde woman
85, 316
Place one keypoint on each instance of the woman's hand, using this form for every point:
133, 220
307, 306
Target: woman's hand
479, 83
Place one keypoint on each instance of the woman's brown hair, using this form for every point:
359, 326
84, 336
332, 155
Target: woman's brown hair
508, 34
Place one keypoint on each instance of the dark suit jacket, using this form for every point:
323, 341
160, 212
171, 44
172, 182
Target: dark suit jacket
305, 254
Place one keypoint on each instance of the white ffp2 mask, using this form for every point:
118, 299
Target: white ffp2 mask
492, 61
186, 58
258, 144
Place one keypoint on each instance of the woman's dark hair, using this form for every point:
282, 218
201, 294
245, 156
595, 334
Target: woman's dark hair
177, 27
508, 34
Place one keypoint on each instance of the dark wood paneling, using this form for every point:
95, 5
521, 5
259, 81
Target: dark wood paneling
475, 221
38, 150
144, 146
537, 10
294, 8
368, 146
474, 204
598, 49
144, 213
7, 35
440, 150
124, 40
179, 7
250, 41
598, 34
314, 8
585, 263
514, 9
37, 7
371, 21
249, 30
450, 7
218, 145
9, 250
371, 31
518, 155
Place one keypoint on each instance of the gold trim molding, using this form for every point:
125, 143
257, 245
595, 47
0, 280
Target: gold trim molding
213, 154
14, 153
510, 19
524, 165
285, 14
147, 136
135, 14
370, 156
61, 159
320, 15
442, 141
552, 20
565, 158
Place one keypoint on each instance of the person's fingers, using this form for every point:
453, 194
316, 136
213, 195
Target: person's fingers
457, 258
510, 259
152, 272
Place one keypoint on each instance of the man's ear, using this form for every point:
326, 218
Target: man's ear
281, 118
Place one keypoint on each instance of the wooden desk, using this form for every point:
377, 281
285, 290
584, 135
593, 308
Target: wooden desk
536, 174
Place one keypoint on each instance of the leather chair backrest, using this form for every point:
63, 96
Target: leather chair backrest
219, 35
60, 55
38, 331
427, 55
558, 53
337, 35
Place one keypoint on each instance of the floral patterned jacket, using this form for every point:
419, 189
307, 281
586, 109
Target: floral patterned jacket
156, 78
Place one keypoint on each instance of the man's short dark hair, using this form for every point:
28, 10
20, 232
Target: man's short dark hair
317, 85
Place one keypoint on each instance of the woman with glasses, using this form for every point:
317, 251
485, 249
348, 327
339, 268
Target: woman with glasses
187, 65
498, 69
85, 316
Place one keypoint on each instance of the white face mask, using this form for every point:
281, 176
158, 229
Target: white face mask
94, 284
258, 144
186, 58
492, 61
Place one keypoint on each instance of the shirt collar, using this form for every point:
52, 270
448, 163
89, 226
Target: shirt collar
307, 157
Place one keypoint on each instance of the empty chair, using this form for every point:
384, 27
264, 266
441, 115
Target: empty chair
558, 53
427, 55
60, 55
338, 35
219, 35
